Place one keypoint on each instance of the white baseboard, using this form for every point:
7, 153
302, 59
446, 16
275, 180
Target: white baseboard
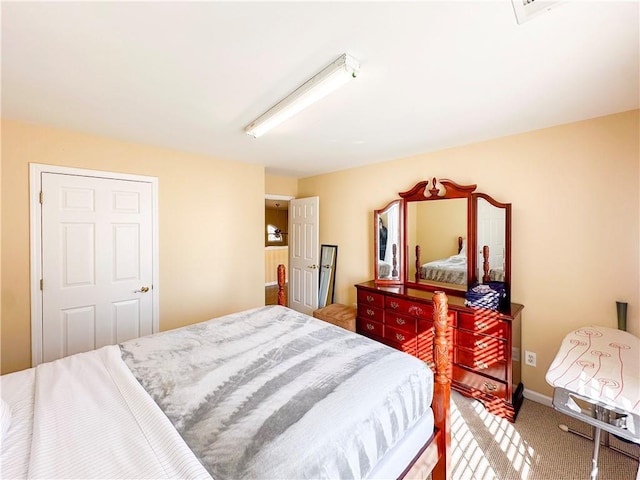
270, 284
537, 397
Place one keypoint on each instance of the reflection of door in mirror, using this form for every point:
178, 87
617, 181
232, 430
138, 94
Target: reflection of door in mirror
388, 231
328, 256
491, 231
436, 239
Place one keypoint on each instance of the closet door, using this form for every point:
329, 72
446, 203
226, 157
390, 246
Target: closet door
97, 262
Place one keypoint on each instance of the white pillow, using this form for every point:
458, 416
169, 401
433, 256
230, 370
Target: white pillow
5, 418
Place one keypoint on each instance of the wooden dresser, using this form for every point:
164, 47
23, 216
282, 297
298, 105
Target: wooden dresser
486, 344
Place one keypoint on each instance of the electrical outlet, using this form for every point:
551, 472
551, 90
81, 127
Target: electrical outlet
529, 358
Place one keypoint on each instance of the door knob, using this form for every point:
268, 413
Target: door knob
312, 267
142, 290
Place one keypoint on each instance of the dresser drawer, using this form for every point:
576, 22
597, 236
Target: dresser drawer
370, 298
409, 307
400, 336
483, 362
479, 382
369, 327
400, 322
487, 322
371, 313
482, 344
400, 339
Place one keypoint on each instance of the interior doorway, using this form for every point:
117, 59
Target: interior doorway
276, 243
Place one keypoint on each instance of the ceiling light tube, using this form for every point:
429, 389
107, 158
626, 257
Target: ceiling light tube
329, 79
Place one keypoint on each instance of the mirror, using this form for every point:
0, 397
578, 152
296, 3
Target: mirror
443, 236
438, 216
493, 234
328, 256
438, 256
388, 244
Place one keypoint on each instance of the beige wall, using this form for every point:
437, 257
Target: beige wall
275, 185
274, 256
211, 215
576, 210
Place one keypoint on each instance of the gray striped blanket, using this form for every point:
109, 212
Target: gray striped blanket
272, 393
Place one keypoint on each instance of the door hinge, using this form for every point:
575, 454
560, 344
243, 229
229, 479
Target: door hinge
41, 196
41, 284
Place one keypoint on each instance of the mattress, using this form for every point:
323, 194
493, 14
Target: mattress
268, 393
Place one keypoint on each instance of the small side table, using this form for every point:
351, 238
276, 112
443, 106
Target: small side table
339, 315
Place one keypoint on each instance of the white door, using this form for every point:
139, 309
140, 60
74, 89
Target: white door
303, 254
97, 262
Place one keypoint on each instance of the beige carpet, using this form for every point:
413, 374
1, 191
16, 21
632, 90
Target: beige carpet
487, 447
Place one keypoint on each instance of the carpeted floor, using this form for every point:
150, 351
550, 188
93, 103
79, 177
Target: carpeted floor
487, 447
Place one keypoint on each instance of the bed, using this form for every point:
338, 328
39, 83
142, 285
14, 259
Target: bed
388, 269
264, 393
452, 269
490, 273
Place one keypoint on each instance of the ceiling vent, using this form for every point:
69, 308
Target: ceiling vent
525, 10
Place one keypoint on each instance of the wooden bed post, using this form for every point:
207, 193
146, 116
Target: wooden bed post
394, 249
485, 264
442, 387
282, 297
417, 263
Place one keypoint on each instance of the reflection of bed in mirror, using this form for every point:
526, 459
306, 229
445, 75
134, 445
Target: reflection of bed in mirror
451, 269
491, 274
388, 268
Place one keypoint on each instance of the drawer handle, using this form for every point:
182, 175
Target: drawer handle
369, 298
394, 305
490, 387
400, 337
481, 344
415, 310
370, 327
481, 325
481, 365
400, 321
370, 312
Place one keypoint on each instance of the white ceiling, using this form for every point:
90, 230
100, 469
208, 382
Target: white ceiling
191, 76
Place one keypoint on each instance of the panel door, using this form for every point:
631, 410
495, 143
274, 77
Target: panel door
304, 254
97, 262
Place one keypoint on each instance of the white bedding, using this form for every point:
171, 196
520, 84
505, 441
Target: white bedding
452, 269
86, 416
272, 393
91, 419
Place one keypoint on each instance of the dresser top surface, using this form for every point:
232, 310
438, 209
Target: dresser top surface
414, 293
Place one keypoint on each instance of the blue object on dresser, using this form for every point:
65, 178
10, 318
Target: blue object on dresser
485, 295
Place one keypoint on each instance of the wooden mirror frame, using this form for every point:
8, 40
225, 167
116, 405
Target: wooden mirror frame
399, 256
422, 193
485, 253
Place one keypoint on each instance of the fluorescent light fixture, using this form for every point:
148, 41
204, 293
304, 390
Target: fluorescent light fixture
525, 10
329, 79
